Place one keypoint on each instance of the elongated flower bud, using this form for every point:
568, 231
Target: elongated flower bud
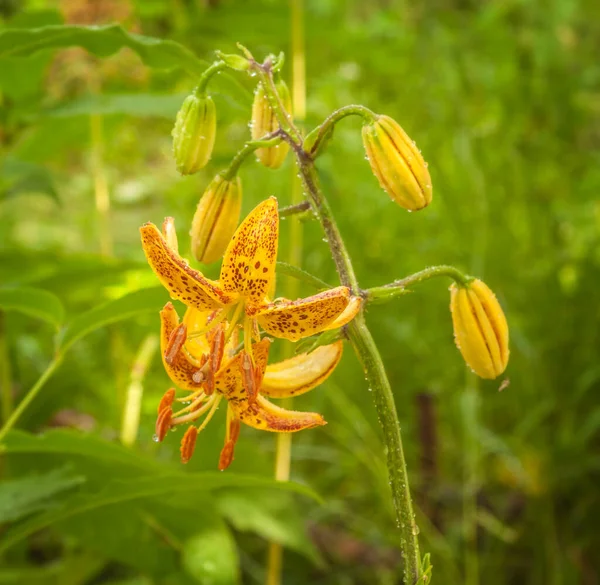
216, 218
480, 328
264, 122
397, 163
194, 134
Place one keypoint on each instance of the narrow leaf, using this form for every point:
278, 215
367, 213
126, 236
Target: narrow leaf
101, 41
34, 302
23, 496
161, 487
141, 301
138, 105
299, 274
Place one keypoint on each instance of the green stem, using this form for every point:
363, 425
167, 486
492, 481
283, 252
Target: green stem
370, 359
296, 209
327, 126
270, 140
5, 372
200, 90
398, 287
33, 392
368, 355
284, 118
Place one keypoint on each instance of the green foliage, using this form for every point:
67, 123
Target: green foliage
34, 302
98, 40
502, 99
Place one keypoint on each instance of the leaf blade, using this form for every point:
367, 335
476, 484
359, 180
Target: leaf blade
134, 303
34, 302
101, 41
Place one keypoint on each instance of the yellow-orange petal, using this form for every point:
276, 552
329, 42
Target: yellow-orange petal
216, 219
397, 163
197, 321
348, 314
170, 234
181, 366
248, 266
294, 320
229, 379
480, 328
265, 416
182, 282
301, 373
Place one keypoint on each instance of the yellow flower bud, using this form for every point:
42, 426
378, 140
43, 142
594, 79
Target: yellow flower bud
397, 163
216, 219
194, 134
264, 122
480, 328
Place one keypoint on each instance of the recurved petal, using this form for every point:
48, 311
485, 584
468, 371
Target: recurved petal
347, 315
182, 282
301, 373
294, 320
180, 366
229, 379
249, 263
265, 416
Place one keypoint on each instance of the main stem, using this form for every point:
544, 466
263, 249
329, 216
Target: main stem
377, 379
365, 348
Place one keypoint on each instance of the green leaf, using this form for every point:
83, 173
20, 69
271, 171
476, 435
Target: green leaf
140, 301
274, 516
211, 556
139, 105
311, 343
34, 302
20, 497
19, 177
299, 274
101, 41
156, 486
71, 443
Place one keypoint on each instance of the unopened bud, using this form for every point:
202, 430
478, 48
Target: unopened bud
264, 122
194, 134
480, 328
397, 163
216, 218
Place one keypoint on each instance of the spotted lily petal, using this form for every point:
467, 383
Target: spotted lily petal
229, 379
182, 282
301, 373
248, 266
265, 416
181, 367
294, 320
348, 314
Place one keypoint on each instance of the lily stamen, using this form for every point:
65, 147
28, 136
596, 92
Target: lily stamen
192, 416
176, 342
195, 403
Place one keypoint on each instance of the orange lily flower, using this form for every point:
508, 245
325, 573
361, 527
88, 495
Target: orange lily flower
247, 275
210, 369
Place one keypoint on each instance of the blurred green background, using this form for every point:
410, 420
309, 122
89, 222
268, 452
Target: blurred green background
503, 98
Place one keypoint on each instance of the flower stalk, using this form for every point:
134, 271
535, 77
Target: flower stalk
362, 342
399, 287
